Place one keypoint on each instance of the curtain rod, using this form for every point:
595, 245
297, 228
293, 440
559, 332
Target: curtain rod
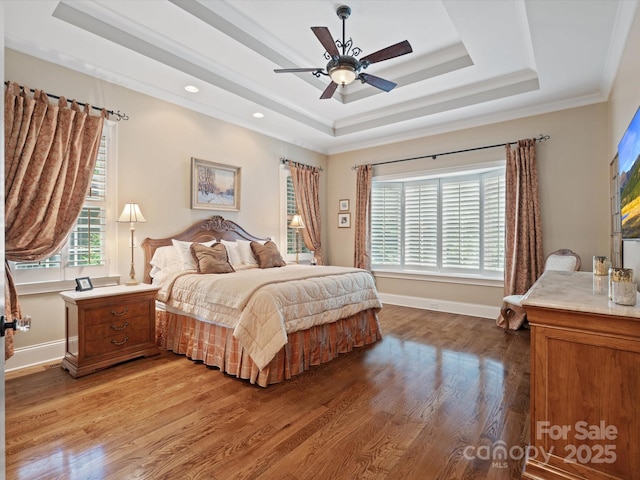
120, 116
286, 161
539, 138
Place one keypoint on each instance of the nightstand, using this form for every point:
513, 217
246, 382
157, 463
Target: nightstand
108, 325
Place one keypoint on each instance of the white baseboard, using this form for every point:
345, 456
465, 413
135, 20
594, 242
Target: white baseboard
461, 308
35, 355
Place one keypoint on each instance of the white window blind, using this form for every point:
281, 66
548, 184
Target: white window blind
421, 225
445, 224
87, 242
386, 223
461, 224
493, 222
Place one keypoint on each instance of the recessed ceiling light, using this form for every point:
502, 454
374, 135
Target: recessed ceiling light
191, 88
258, 115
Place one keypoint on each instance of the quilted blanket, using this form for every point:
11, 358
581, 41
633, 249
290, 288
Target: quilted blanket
262, 305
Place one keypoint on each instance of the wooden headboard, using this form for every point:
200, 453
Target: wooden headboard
214, 228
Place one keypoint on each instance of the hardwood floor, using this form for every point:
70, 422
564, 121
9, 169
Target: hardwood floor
435, 399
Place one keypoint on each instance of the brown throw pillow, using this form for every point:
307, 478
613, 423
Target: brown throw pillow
212, 259
267, 255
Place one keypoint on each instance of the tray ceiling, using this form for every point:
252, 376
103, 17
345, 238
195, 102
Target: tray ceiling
473, 62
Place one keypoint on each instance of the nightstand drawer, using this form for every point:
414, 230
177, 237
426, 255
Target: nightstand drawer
134, 336
116, 327
118, 312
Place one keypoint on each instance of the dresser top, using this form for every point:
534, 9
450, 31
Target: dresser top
574, 291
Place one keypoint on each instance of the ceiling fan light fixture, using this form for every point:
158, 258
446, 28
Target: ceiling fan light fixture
344, 68
343, 74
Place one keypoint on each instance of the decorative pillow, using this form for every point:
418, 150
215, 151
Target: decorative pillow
248, 258
235, 258
211, 259
185, 253
267, 255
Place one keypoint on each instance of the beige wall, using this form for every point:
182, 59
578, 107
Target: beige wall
573, 169
623, 103
154, 151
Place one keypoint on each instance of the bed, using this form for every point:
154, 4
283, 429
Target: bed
257, 321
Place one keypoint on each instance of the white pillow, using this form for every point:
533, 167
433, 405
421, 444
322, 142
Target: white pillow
184, 249
233, 251
165, 259
248, 258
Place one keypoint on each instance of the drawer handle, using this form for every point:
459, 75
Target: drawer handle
119, 314
115, 342
125, 325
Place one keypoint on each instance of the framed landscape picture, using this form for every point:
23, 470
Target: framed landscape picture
343, 205
214, 186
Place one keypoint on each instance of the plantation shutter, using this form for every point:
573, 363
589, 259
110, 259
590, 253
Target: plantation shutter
87, 241
386, 224
493, 224
461, 224
421, 225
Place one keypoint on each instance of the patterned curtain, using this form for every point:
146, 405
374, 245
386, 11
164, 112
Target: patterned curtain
362, 253
50, 154
306, 188
524, 261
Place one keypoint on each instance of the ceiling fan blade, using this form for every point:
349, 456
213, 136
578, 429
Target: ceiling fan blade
294, 70
326, 40
393, 51
329, 91
377, 82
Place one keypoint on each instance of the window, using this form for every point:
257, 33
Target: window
452, 223
86, 252
288, 211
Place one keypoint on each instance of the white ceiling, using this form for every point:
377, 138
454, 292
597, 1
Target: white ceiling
473, 61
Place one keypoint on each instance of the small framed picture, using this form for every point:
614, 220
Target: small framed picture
344, 220
83, 283
343, 205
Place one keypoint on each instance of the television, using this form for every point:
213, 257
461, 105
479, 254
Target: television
629, 178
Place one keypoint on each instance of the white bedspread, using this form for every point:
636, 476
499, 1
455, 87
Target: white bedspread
262, 305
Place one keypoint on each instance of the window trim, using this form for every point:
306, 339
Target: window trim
443, 275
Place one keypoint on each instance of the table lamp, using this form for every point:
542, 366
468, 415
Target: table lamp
131, 213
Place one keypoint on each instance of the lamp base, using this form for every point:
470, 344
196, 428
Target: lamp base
132, 271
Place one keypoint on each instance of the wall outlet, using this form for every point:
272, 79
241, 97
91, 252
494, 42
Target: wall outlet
433, 306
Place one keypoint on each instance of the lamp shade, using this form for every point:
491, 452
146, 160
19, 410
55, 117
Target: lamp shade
296, 222
131, 214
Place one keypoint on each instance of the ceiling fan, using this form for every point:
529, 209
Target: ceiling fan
345, 68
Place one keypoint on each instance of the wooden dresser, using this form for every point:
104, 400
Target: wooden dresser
585, 381
108, 325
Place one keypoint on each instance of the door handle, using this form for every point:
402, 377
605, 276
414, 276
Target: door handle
22, 324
